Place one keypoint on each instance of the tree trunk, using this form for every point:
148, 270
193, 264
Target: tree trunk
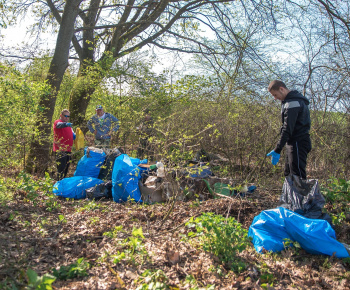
79, 99
89, 76
38, 158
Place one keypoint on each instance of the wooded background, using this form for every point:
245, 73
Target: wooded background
216, 59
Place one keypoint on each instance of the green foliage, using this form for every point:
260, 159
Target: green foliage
33, 187
119, 257
39, 283
346, 261
134, 250
338, 190
192, 283
266, 276
77, 269
114, 233
222, 237
152, 280
90, 206
19, 97
136, 240
289, 243
5, 190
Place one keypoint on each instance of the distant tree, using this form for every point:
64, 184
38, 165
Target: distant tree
104, 31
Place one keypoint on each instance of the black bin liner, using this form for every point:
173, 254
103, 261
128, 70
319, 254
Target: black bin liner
103, 190
107, 167
303, 197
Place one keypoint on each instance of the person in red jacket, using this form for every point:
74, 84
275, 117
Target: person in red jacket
63, 137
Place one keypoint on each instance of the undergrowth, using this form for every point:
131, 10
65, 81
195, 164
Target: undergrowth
223, 237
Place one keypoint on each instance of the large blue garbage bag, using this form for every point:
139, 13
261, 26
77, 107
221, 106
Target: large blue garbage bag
271, 227
125, 178
90, 164
74, 187
137, 161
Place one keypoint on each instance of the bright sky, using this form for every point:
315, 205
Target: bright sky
13, 37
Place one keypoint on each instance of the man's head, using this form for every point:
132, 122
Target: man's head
99, 110
65, 115
278, 89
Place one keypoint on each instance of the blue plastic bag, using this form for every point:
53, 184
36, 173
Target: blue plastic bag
90, 164
271, 227
74, 187
137, 161
199, 171
125, 178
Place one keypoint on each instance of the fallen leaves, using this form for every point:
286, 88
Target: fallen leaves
33, 236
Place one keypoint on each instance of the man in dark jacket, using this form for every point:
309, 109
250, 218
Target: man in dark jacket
294, 131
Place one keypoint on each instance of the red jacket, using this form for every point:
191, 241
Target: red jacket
62, 136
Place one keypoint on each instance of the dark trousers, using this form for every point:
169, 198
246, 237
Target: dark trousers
63, 161
296, 155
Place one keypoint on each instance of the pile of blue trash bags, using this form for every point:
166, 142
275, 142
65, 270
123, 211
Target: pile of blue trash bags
299, 218
103, 173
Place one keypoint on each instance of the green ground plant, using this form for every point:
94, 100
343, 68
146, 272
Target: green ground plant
224, 237
6, 193
152, 279
192, 284
76, 269
38, 191
36, 282
133, 252
113, 234
90, 206
337, 193
337, 190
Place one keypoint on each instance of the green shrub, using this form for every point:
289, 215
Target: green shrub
222, 237
338, 190
39, 283
77, 269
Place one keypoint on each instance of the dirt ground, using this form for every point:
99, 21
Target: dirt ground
33, 237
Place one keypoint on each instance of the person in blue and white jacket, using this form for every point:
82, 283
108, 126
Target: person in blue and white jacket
295, 129
103, 125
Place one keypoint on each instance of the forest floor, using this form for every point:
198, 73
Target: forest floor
48, 234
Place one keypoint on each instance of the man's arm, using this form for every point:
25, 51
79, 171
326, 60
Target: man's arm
89, 125
291, 111
115, 123
61, 125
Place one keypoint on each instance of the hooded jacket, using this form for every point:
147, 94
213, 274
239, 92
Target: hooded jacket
295, 120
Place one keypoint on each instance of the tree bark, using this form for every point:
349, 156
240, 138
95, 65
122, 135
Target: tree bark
38, 158
88, 76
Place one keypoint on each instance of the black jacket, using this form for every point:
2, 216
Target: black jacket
295, 120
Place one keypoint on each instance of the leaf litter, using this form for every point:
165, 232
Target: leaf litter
32, 237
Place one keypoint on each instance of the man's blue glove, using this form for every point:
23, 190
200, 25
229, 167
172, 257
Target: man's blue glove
69, 124
275, 157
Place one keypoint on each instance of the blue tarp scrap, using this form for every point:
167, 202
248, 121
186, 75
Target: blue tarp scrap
271, 227
75, 187
125, 179
196, 171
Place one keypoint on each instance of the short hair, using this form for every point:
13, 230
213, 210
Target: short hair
275, 85
64, 110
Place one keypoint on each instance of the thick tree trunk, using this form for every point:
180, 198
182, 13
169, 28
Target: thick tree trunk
89, 77
80, 96
38, 158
